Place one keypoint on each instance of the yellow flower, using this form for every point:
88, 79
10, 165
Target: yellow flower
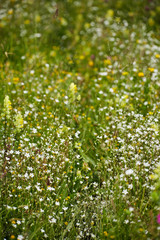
10, 11
105, 233
7, 107
81, 57
124, 73
12, 237
78, 145
73, 88
151, 69
141, 229
16, 80
107, 61
27, 22
109, 14
141, 74
91, 63
157, 55
18, 122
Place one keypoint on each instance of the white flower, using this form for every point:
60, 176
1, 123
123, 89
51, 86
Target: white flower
57, 203
125, 192
34, 130
65, 208
53, 220
130, 186
129, 172
131, 209
20, 237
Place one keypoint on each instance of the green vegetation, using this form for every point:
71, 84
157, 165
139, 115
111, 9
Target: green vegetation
79, 125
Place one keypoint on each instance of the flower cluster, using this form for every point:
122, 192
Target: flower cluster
81, 138
7, 107
18, 122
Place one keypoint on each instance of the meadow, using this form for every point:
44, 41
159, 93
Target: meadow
79, 120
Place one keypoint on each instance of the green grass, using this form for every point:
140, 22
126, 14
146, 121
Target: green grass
85, 78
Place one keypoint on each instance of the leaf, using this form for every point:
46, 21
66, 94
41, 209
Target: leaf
86, 158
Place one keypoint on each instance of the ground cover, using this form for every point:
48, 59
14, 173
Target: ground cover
79, 100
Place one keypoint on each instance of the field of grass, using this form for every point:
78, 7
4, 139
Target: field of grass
79, 119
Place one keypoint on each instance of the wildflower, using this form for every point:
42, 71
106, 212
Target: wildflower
158, 218
155, 127
27, 22
141, 229
53, 220
7, 107
12, 237
124, 73
151, 69
129, 172
15, 80
18, 122
140, 74
79, 97
157, 55
20, 237
78, 145
105, 233
91, 63
107, 61
110, 14
73, 88
79, 174
10, 11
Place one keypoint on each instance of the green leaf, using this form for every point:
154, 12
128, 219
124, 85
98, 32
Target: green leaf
86, 158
